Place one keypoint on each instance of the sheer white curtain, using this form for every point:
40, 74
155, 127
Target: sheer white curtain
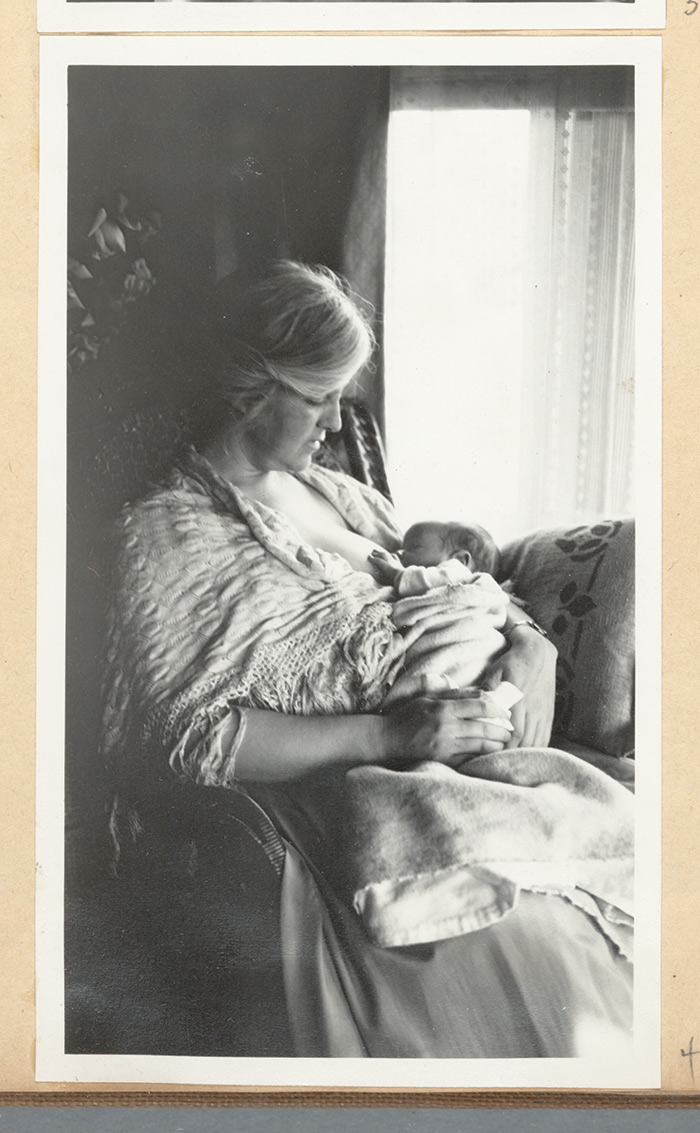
509, 294
580, 350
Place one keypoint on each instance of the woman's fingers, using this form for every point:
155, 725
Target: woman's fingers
530, 729
442, 729
518, 720
469, 733
475, 707
495, 732
530, 664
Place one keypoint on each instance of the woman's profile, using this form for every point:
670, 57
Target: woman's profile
451, 886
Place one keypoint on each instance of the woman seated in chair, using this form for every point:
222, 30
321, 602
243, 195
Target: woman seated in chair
428, 905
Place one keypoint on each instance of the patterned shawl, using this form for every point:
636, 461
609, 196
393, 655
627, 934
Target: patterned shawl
216, 603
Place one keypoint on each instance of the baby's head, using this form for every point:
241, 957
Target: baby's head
428, 544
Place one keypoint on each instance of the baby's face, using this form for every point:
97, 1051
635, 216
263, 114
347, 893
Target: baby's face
425, 544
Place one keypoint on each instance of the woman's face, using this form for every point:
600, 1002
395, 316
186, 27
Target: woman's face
292, 428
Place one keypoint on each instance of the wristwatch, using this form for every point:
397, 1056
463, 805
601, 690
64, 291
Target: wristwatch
525, 622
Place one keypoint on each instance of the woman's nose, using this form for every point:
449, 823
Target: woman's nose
332, 419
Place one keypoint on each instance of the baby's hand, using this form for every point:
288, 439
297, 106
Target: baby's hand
385, 567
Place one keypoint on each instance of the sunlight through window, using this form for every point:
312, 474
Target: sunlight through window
454, 310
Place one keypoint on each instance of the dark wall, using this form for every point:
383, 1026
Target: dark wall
274, 147
242, 164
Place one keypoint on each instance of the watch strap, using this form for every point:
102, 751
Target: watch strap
530, 622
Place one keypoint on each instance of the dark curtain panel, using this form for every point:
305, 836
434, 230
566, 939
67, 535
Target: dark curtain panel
364, 243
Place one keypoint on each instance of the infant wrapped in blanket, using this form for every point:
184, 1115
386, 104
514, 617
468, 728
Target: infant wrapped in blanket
429, 897
436, 556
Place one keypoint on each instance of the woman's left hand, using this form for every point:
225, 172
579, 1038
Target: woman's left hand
530, 664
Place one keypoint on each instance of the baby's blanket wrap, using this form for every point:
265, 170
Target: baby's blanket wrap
218, 606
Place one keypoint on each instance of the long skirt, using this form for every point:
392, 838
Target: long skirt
544, 982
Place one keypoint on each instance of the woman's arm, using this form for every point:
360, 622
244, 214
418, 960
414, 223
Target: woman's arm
276, 748
530, 664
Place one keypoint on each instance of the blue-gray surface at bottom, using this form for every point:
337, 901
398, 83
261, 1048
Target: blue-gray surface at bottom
109, 1119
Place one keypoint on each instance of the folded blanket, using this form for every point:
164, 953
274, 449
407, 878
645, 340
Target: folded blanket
435, 853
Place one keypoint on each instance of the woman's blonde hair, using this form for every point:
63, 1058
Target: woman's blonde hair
295, 326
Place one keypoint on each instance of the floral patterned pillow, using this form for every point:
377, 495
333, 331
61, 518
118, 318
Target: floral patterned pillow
579, 585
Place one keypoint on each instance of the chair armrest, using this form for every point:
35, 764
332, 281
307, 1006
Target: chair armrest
579, 585
188, 819
620, 768
179, 951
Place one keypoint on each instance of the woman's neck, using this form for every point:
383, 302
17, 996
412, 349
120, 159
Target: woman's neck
230, 461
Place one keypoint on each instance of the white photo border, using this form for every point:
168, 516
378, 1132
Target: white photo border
641, 1070
328, 16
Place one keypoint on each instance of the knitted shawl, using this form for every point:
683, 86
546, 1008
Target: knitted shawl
217, 604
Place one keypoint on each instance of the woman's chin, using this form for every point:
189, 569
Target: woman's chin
304, 460
298, 461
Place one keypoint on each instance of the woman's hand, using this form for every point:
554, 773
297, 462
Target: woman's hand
444, 729
530, 664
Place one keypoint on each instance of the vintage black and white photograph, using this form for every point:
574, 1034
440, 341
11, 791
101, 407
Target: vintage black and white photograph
349, 474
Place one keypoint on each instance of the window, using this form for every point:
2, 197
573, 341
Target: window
509, 297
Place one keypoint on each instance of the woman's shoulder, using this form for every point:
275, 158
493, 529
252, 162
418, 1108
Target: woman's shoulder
178, 510
175, 492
